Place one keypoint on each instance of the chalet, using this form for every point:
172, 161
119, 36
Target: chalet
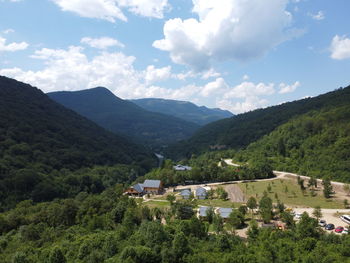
148, 187
224, 212
201, 193
185, 194
153, 187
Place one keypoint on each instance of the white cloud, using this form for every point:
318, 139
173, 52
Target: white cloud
147, 8
285, 88
8, 31
12, 47
153, 74
340, 47
226, 29
111, 10
319, 16
102, 43
213, 87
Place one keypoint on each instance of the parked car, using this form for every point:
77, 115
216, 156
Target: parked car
298, 215
339, 229
345, 231
322, 223
329, 227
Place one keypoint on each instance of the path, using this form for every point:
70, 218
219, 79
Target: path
235, 193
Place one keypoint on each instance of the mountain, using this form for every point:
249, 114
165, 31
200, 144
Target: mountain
184, 110
315, 144
124, 117
239, 131
40, 140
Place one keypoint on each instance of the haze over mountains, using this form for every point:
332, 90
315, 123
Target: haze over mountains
124, 117
184, 110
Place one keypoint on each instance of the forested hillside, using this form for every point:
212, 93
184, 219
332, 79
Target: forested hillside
315, 144
124, 117
241, 130
41, 141
184, 110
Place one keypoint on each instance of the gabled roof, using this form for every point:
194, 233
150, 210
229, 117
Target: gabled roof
185, 192
138, 188
151, 183
225, 212
203, 211
201, 191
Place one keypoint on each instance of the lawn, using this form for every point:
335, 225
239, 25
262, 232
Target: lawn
217, 203
289, 193
160, 204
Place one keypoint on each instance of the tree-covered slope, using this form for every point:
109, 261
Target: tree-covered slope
316, 144
39, 137
121, 116
184, 110
241, 130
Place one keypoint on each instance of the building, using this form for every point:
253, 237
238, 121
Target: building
180, 167
201, 193
186, 194
202, 211
148, 187
224, 212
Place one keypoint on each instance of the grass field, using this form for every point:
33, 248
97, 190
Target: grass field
160, 204
289, 193
217, 203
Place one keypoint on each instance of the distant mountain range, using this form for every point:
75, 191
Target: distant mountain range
124, 117
188, 111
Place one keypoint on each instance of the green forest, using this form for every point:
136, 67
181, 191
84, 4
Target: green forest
113, 228
42, 143
315, 144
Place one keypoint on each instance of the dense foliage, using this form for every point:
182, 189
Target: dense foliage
112, 228
124, 117
206, 168
41, 140
315, 144
241, 130
184, 110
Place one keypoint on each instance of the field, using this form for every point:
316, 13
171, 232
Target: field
289, 193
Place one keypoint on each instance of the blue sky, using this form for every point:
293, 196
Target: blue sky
238, 55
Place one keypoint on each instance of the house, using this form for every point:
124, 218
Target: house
202, 211
224, 212
148, 187
185, 194
180, 167
201, 193
153, 187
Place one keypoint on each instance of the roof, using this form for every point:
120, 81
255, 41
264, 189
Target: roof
201, 191
225, 212
138, 188
203, 211
151, 183
185, 192
180, 167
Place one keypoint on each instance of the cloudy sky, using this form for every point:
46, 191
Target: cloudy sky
234, 54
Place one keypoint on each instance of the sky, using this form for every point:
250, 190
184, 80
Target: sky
237, 55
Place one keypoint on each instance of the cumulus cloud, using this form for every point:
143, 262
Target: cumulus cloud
11, 47
111, 10
227, 29
153, 74
102, 43
319, 16
285, 88
340, 47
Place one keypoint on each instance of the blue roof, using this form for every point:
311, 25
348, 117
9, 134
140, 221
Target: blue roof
151, 183
138, 188
185, 192
201, 192
225, 212
203, 211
